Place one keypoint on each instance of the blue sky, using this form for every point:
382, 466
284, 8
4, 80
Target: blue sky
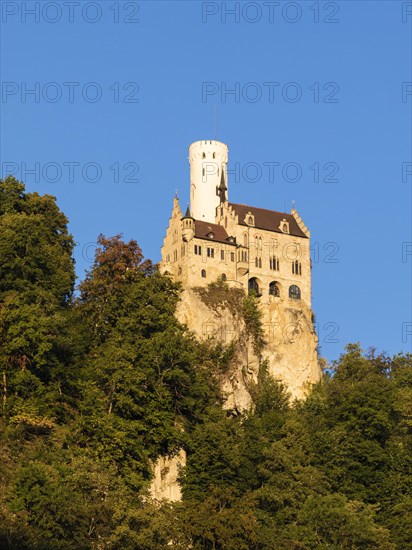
320, 93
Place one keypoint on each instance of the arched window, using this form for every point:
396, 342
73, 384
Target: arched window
294, 292
285, 228
250, 220
203, 273
203, 155
245, 239
258, 241
214, 155
274, 289
253, 286
224, 277
179, 271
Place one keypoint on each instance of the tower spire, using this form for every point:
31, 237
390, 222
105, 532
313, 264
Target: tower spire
222, 188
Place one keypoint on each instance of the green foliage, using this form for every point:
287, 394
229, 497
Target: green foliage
218, 295
95, 389
35, 247
253, 320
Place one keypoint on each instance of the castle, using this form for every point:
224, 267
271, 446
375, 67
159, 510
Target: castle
252, 248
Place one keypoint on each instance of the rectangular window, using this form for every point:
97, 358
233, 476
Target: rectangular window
198, 249
232, 256
222, 255
210, 252
274, 263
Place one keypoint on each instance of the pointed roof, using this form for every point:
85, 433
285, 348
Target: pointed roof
188, 214
221, 191
222, 181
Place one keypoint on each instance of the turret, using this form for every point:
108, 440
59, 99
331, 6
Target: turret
188, 226
208, 178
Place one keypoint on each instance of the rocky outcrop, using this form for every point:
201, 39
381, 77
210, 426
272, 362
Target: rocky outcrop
290, 337
165, 483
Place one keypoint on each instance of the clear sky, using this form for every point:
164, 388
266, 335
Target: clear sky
100, 101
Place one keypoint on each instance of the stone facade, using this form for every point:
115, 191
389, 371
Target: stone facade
252, 248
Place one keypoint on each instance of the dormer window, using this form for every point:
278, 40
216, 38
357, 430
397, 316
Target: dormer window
210, 235
284, 226
249, 219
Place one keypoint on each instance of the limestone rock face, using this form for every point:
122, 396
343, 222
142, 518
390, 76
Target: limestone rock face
165, 474
221, 322
290, 343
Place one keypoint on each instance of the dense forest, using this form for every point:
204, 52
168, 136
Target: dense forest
98, 382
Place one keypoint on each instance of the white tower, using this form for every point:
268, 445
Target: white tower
208, 178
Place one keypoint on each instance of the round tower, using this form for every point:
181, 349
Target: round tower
188, 226
208, 178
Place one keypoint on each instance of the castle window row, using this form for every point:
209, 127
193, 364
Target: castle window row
210, 252
274, 289
203, 274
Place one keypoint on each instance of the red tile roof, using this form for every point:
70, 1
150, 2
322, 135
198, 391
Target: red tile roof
267, 219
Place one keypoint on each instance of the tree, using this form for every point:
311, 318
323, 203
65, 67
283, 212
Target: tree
36, 283
144, 370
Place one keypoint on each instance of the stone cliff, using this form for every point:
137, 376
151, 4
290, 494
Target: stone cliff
289, 343
289, 348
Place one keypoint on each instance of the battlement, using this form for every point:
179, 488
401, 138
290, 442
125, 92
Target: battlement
208, 150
